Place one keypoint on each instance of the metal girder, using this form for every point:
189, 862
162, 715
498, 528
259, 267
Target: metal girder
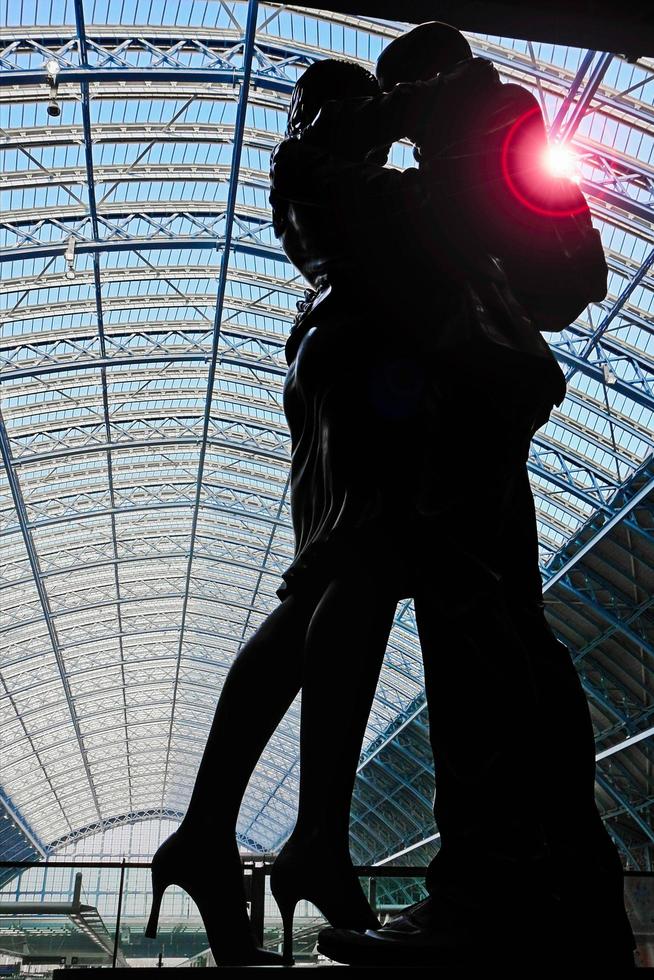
572, 90
629, 523
107, 132
565, 125
93, 213
33, 744
392, 773
137, 816
644, 398
135, 359
305, 56
153, 43
550, 523
139, 493
43, 598
563, 563
565, 481
549, 445
385, 739
407, 850
255, 349
401, 721
595, 582
622, 626
608, 676
256, 280
631, 206
142, 599
83, 568
239, 128
601, 780
70, 518
609, 788
600, 699
599, 638
577, 337
515, 63
90, 76
627, 743
617, 306
289, 773
382, 797
187, 440
26, 252
109, 823
20, 822
597, 439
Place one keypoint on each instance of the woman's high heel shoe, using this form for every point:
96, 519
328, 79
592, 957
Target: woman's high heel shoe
339, 898
220, 901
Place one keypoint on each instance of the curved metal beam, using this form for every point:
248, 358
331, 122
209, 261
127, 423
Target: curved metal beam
239, 129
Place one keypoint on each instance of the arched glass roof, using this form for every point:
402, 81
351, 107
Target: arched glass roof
144, 307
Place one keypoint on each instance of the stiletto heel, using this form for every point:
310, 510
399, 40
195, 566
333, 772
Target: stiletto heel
153, 921
292, 879
286, 903
234, 945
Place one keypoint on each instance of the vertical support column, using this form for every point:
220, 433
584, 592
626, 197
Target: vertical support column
258, 902
118, 913
372, 894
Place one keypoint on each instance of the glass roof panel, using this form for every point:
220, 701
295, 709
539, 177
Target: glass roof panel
147, 521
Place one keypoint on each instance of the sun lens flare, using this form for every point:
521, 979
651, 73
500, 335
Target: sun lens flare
560, 161
521, 162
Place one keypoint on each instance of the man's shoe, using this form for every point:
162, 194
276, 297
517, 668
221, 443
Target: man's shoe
429, 933
380, 947
438, 932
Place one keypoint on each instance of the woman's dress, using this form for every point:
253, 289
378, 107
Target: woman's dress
391, 369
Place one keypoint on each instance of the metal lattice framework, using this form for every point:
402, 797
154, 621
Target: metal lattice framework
145, 304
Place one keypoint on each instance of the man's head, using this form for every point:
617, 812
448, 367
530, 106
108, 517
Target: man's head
421, 54
326, 81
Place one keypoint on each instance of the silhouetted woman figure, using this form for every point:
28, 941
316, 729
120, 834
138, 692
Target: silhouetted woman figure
202, 855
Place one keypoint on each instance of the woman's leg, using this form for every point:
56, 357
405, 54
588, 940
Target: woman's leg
258, 690
202, 856
345, 647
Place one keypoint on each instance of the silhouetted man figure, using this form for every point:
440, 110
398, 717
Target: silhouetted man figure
516, 812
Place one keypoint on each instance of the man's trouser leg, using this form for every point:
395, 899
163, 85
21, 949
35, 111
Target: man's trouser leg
584, 859
511, 732
482, 703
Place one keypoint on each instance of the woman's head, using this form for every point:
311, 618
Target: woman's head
325, 81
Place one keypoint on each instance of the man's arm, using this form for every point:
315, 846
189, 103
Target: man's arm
567, 249
302, 173
488, 175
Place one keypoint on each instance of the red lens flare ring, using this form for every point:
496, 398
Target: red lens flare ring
515, 190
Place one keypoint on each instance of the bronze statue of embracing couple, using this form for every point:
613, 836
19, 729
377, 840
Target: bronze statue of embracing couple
417, 377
